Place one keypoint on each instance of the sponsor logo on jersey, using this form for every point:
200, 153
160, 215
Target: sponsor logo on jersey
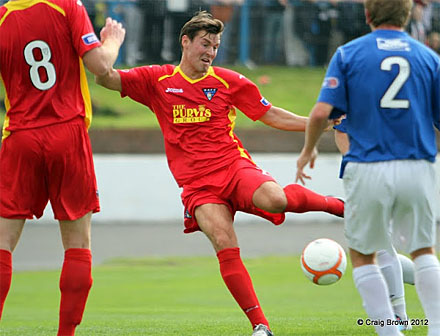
89, 38
330, 83
173, 90
209, 93
264, 101
185, 115
392, 44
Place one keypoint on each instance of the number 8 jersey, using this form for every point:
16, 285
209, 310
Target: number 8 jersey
388, 85
41, 67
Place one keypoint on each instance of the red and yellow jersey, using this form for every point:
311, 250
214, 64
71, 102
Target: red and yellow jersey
41, 45
197, 117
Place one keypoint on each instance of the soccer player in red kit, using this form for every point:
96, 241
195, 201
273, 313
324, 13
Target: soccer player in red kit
195, 106
45, 153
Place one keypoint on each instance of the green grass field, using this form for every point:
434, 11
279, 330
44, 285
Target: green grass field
295, 89
186, 296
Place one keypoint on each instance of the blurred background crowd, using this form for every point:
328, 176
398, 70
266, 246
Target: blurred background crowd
283, 32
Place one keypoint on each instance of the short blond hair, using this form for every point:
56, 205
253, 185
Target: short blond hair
390, 12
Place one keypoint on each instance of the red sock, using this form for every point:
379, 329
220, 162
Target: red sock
239, 283
75, 284
300, 199
5, 276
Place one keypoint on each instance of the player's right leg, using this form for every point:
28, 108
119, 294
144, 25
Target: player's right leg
215, 220
76, 275
427, 281
73, 195
10, 231
414, 215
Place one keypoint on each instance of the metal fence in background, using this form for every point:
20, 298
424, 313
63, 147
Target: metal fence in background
284, 32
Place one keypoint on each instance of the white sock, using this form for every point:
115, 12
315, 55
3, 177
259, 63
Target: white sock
374, 292
391, 270
427, 278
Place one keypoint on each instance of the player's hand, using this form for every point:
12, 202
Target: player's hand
304, 159
333, 122
113, 30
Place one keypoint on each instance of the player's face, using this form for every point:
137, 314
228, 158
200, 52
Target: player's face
199, 53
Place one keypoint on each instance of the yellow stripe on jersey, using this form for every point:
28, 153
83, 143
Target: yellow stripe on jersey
85, 93
5, 133
232, 116
210, 72
176, 69
24, 4
213, 74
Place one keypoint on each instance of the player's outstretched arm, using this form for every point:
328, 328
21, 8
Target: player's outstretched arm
111, 80
100, 60
282, 119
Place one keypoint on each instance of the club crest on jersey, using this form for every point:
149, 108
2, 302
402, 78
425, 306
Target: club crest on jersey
264, 101
330, 83
89, 38
209, 93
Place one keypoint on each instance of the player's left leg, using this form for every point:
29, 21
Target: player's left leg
373, 290
76, 274
367, 230
272, 198
10, 232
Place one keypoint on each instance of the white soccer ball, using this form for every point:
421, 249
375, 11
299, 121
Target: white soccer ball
323, 261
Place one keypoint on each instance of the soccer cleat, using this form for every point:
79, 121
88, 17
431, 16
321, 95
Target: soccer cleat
262, 330
403, 325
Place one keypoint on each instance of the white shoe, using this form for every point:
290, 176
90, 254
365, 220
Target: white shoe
405, 325
262, 330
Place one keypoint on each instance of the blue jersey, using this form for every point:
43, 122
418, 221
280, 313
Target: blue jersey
388, 85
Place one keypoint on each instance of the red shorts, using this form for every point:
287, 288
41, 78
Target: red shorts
49, 163
233, 187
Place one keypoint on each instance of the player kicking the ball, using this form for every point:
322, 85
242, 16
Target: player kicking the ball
195, 106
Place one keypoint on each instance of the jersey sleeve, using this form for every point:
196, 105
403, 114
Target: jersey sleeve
136, 84
83, 35
248, 99
333, 90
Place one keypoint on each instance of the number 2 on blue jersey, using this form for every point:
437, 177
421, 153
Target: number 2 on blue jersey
389, 98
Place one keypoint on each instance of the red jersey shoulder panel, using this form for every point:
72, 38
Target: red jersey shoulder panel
245, 95
138, 83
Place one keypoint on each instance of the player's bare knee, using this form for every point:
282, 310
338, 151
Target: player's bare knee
222, 239
278, 202
421, 251
270, 197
